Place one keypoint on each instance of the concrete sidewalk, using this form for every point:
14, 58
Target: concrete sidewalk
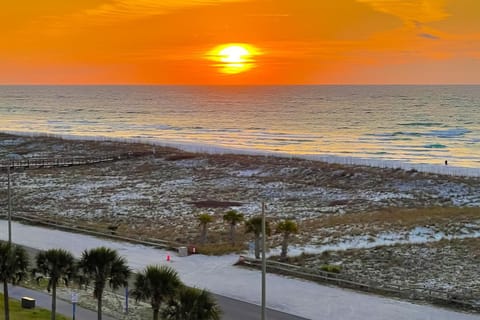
44, 300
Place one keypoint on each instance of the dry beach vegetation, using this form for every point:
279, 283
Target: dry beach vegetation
399, 226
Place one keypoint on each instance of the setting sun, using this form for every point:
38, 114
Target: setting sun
233, 58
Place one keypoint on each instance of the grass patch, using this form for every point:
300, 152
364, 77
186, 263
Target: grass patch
331, 268
296, 260
219, 249
399, 217
18, 313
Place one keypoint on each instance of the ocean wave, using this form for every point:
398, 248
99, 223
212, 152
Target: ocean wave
403, 133
449, 133
421, 124
435, 146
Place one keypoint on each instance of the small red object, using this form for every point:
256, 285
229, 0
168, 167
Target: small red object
168, 257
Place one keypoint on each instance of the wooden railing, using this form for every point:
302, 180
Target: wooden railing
106, 233
465, 300
35, 163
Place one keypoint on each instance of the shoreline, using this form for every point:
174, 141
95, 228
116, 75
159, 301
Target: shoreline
448, 170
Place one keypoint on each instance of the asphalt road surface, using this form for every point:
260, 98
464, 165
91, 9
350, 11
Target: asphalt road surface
239, 310
232, 309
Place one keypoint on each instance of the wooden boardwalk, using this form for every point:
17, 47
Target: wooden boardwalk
36, 163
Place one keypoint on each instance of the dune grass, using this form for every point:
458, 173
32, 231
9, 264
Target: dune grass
400, 217
18, 313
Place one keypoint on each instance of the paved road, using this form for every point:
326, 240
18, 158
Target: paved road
217, 274
239, 310
231, 309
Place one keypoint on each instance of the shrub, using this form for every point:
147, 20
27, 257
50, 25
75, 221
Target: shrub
219, 249
331, 268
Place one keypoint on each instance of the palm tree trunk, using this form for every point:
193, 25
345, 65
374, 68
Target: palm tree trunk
257, 246
204, 233
99, 306
54, 301
283, 255
155, 314
5, 300
232, 234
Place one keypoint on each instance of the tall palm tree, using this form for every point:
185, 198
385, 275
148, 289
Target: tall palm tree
204, 219
13, 268
59, 266
103, 265
286, 227
192, 304
156, 283
232, 217
254, 225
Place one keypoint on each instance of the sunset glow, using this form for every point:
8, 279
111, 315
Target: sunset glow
299, 42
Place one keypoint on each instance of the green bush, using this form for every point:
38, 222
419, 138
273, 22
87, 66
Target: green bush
331, 268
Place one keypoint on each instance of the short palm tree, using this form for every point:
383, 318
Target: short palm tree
156, 284
254, 225
286, 227
192, 304
232, 217
204, 220
103, 265
59, 266
13, 268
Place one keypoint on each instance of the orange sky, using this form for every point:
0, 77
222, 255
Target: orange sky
301, 41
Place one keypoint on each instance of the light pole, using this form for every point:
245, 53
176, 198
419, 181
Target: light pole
9, 208
74, 296
264, 264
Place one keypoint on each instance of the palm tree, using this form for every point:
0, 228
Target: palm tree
254, 225
102, 265
286, 227
58, 265
156, 283
13, 267
232, 217
192, 304
204, 219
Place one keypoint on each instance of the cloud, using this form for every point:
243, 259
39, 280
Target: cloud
413, 12
428, 36
120, 9
116, 11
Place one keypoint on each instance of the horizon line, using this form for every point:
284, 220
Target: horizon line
227, 85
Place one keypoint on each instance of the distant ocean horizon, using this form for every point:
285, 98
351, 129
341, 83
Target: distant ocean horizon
409, 126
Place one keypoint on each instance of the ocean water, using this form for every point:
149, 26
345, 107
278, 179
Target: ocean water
378, 125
